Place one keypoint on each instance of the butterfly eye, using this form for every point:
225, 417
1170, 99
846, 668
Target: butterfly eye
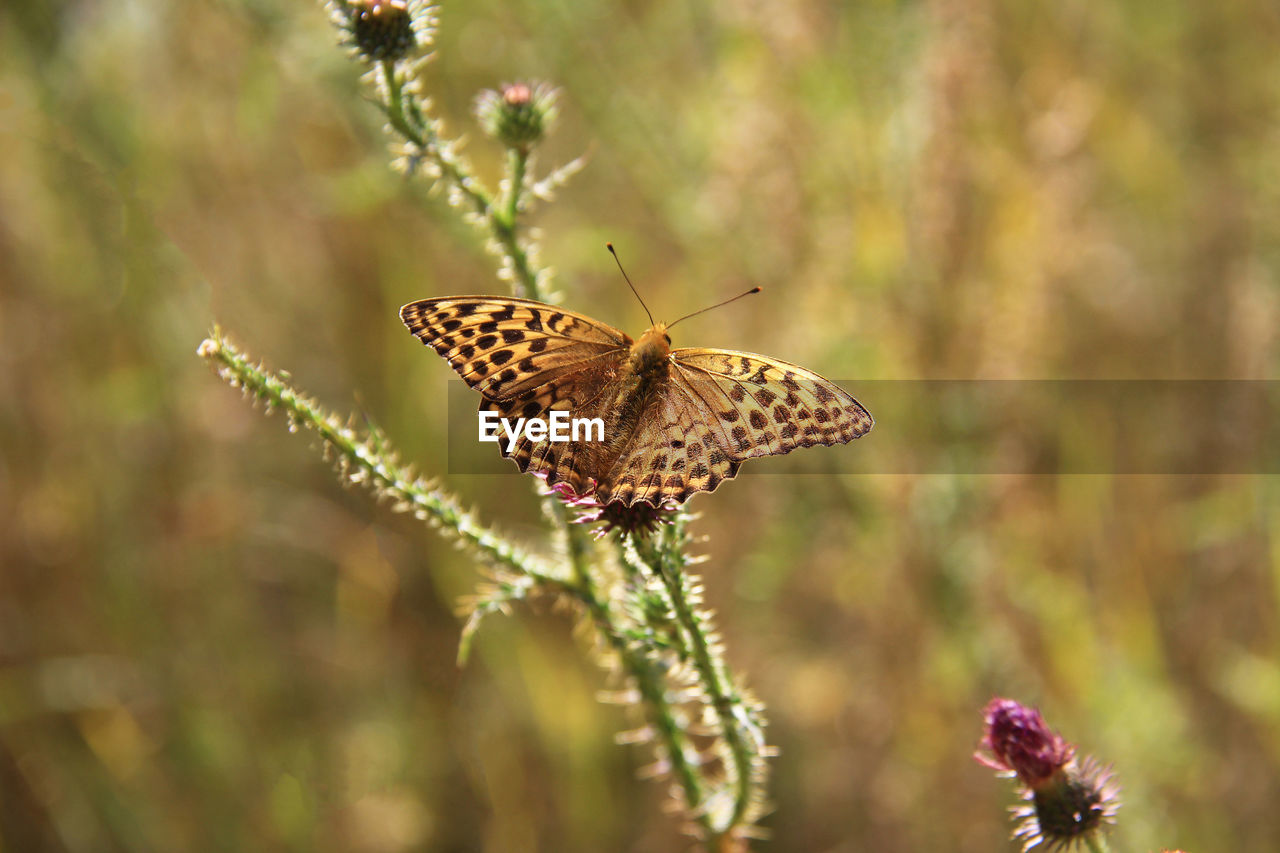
668, 337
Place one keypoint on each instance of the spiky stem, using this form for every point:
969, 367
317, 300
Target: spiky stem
736, 720
406, 116
369, 461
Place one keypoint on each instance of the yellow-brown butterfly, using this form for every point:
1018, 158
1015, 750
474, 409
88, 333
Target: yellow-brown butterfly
676, 421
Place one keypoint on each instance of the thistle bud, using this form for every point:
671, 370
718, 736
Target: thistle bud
1067, 800
518, 115
385, 29
1021, 742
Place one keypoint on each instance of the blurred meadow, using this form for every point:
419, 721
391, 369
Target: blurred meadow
207, 643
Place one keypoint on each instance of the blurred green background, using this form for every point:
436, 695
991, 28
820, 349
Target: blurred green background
207, 644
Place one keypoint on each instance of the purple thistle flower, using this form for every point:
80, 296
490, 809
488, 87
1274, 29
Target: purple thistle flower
1067, 799
566, 494
1021, 742
639, 518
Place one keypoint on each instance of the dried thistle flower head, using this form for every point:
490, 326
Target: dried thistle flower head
518, 115
641, 517
385, 29
1067, 799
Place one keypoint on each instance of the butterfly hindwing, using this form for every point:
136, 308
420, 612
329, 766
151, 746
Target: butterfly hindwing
557, 462
671, 456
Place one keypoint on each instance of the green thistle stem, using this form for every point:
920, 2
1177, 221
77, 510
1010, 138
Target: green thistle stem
394, 107
650, 682
577, 542
517, 166
371, 462
646, 676
734, 722
407, 120
1096, 843
505, 226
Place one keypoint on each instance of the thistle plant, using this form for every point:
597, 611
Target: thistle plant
1068, 801
629, 579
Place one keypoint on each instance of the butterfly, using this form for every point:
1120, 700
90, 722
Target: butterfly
676, 421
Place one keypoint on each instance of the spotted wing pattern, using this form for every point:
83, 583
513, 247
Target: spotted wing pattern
761, 406
576, 463
673, 454
527, 358
504, 347
712, 410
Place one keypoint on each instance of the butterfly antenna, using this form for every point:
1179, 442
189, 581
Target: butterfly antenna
609, 246
717, 305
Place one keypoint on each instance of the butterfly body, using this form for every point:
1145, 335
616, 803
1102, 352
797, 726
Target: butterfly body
676, 421
649, 354
639, 381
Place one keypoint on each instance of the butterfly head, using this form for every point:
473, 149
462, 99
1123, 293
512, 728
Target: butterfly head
651, 350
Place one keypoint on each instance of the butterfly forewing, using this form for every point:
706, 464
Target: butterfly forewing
503, 347
760, 406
